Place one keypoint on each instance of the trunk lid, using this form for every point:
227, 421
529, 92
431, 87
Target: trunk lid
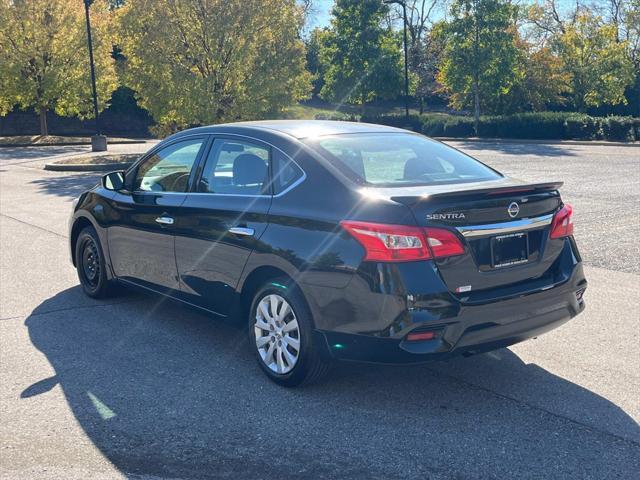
503, 224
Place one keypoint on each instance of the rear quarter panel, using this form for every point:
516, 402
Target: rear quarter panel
305, 240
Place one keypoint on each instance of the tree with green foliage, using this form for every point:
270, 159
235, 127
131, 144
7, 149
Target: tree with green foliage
194, 62
313, 43
596, 51
631, 35
425, 57
481, 61
44, 63
543, 81
361, 59
596, 62
424, 50
631, 21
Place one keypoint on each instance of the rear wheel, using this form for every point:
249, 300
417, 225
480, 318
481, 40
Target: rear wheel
90, 264
281, 335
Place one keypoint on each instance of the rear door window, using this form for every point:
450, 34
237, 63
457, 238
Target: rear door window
286, 172
236, 167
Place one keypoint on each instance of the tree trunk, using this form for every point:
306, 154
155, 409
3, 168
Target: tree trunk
476, 105
421, 104
44, 130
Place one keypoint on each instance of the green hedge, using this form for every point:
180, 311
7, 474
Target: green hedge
340, 116
544, 125
536, 125
619, 128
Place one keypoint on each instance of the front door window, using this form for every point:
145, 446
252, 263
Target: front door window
168, 169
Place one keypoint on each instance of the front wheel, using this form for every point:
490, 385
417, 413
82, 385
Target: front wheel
280, 333
91, 265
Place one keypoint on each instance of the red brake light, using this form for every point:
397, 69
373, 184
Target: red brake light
389, 243
443, 243
421, 336
562, 224
401, 243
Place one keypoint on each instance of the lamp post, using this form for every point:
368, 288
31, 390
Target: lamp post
98, 141
406, 56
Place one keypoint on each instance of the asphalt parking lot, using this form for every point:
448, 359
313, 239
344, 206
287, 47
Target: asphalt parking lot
135, 387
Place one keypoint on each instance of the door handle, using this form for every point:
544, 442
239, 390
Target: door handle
164, 220
247, 232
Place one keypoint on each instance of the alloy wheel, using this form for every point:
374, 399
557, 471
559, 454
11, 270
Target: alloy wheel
277, 334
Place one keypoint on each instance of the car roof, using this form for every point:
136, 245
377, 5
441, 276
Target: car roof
301, 128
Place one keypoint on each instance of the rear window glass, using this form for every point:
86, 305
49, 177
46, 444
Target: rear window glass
394, 159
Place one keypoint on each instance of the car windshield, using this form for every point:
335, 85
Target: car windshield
397, 159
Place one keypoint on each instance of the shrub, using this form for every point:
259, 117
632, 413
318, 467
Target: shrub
581, 127
433, 126
340, 116
618, 128
533, 125
413, 122
439, 125
488, 127
458, 127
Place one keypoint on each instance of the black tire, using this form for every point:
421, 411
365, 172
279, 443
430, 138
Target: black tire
91, 265
310, 366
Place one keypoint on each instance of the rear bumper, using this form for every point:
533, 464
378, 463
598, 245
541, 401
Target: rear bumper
384, 350
463, 326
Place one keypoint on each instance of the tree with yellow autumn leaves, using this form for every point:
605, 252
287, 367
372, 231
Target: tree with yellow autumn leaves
194, 62
44, 62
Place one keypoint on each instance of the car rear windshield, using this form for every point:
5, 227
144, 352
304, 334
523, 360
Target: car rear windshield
398, 159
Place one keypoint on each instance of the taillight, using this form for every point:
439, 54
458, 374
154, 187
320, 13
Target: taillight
401, 243
443, 243
389, 243
421, 336
562, 224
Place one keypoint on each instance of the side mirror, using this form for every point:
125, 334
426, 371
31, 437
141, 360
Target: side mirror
113, 180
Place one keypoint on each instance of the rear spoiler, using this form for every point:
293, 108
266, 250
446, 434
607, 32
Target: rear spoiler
484, 192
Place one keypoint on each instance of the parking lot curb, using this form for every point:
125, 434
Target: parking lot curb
69, 144
86, 167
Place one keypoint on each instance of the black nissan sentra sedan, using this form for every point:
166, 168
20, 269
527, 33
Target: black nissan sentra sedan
334, 241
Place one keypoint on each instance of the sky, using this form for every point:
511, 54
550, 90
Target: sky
322, 9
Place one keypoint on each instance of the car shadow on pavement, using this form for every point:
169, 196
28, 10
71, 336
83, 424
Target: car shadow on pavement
70, 185
163, 390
